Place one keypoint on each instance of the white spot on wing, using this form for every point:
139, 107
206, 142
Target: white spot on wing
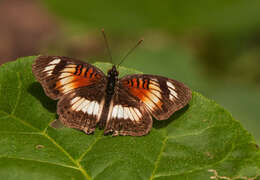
69, 69
135, 116
51, 66
169, 84
175, 94
74, 100
125, 113
66, 80
85, 108
155, 80
138, 113
82, 105
91, 108
96, 109
120, 112
55, 61
114, 112
128, 113
172, 88
49, 69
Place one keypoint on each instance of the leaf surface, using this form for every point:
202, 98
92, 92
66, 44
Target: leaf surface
201, 141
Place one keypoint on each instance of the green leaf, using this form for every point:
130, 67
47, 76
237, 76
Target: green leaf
201, 141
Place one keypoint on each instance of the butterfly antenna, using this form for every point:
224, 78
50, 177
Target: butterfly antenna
107, 46
129, 52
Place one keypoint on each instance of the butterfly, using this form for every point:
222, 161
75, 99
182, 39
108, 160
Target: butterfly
88, 98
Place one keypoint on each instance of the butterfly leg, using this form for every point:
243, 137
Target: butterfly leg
88, 130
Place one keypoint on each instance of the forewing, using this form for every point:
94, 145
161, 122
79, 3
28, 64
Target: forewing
62, 75
127, 116
161, 96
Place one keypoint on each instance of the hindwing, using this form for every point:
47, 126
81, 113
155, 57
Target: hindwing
127, 115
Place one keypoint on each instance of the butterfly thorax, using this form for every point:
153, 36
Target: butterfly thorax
112, 76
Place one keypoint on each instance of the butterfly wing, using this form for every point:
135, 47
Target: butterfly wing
79, 86
161, 96
127, 116
82, 108
61, 75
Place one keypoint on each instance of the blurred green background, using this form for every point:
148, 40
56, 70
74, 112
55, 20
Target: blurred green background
212, 46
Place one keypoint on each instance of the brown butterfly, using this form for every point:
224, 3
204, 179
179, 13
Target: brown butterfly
87, 97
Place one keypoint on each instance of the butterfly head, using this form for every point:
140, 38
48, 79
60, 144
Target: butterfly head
113, 72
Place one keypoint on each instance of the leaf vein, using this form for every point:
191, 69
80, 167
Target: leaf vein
24, 122
81, 169
159, 157
90, 147
20, 120
192, 134
46, 162
202, 168
19, 133
18, 94
109, 165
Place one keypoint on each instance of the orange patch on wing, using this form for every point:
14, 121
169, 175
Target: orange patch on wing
134, 82
73, 82
83, 71
148, 97
141, 82
81, 81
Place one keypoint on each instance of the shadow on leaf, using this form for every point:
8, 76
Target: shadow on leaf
164, 123
37, 91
